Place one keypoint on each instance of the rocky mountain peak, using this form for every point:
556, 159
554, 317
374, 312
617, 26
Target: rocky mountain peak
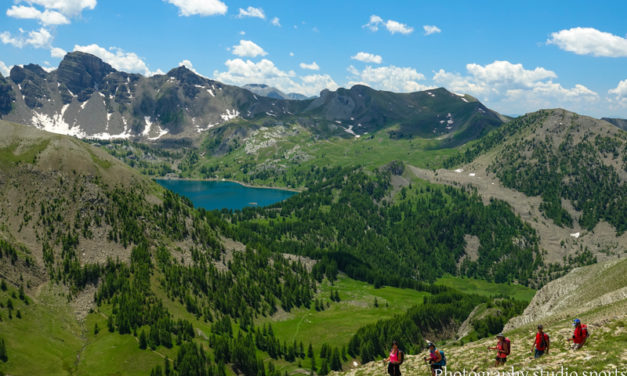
82, 73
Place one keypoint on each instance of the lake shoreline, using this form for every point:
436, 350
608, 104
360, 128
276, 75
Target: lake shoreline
233, 181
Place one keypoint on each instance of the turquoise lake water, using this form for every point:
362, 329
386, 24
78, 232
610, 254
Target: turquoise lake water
224, 194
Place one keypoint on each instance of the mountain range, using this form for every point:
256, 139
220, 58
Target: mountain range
88, 98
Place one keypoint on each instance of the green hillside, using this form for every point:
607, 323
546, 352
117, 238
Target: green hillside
560, 156
554, 306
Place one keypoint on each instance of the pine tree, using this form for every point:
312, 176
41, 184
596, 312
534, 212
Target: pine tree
336, 363
3, 351
376, 302
3, 285
167, 367
324, 368
323, 351
110, 324
143, 343
310, 352
96, 329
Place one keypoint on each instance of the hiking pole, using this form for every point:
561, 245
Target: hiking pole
428, 365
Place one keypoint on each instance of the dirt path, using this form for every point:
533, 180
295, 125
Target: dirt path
558, 241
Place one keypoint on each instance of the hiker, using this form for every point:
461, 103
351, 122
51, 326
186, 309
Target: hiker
395, 360
436, 359
502, 348
580, 335
541, 344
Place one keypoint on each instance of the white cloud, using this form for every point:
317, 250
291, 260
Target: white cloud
276, 22
252, 12
57, 52
620, 90
187, 64
241, 72
397, 27
69, 8
118, 58
312, 66
367, 58
47, 17
508, 73
247, 48
513, 89
431, 29
589, 41
199, 7
620, 93
291, 54
391, 78
4, 69
374, 23
392, 26
37, 38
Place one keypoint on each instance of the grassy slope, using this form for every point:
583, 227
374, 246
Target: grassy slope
606, 348
481, 287
335, 325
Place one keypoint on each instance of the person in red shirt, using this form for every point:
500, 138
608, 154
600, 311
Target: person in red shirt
502, 348
580, 335
541, 344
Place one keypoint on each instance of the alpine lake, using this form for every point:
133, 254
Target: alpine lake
212, 195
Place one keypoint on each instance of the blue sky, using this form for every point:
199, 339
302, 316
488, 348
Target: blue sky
515, 56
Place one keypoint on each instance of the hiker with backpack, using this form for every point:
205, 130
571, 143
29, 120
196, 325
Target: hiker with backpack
502, 348
541, 344
580, 335
395, 360
436, 359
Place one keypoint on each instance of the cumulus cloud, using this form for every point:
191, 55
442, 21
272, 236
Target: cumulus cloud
241, 72
367, 58
37, 38
431, 29
589, 41
312, 66
47, 17
252, 12
199, 7
392, 26
374, 23
515, 89
276, 22
69, 8
620, 93
118, 58
4, 69
391, 78
57, 52
247, 48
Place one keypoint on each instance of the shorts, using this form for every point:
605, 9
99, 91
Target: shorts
394, 369
538, 353
436, 367
501, 360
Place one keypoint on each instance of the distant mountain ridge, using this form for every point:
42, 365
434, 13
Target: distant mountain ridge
272, 92
620, 123
88, 98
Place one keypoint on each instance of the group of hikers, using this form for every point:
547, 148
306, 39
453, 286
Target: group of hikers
540, 347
